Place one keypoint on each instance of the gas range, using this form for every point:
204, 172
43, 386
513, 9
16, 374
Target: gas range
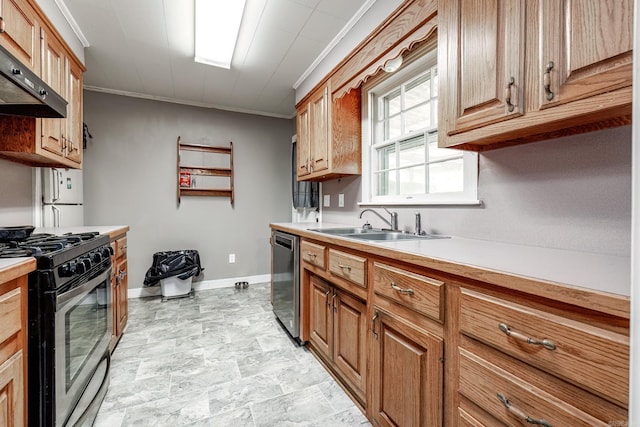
68, 255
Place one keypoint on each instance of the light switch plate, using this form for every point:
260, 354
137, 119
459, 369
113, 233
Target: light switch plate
327, 200
341, 200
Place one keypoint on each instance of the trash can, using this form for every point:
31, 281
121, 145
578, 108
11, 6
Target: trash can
174, 270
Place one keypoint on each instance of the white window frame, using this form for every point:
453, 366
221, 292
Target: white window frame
415, 65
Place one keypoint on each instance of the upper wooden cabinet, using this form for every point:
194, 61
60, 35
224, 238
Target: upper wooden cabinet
328, 135
513, 71
35, 141
20, 32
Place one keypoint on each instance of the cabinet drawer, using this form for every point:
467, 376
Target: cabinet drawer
420, 293
350, 267
121, 247
590, 357
10, 313
312, 253
493, 389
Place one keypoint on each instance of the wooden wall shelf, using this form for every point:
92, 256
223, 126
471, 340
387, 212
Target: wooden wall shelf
187, 172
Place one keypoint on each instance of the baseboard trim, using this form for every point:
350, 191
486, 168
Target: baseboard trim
201, 286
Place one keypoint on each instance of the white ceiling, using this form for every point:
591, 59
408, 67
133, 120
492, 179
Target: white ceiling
145, 48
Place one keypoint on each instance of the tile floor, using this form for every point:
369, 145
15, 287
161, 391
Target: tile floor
219, 359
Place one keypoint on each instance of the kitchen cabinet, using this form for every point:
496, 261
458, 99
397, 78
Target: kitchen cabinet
119, 289
338, 330
13, 351
407, 349
328, 135
20, 33
516, 71
40, 141
518, 360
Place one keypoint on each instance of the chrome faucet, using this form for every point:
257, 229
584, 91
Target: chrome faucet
393, 224
419, 231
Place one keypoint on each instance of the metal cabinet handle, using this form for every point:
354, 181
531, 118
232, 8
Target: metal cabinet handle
373, 324
344, 267
395, 287
546, 80
521, 414
546, 343
333, 301
311, 254
1, 25
326, 296
507, 95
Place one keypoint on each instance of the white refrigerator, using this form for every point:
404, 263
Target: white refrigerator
62, 197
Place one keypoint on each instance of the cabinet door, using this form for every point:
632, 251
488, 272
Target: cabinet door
483, 67
73, 133
20, 34
53, 74
320, 316
12, 391
407, 374
121, 302
349, 339
590, 46
303, 141
319, 127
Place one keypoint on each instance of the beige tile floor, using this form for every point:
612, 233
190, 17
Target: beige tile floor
219, 359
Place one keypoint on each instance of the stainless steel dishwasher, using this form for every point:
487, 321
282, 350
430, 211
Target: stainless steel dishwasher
285, 281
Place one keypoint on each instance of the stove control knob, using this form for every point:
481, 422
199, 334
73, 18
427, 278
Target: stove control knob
79, 268
96, 257
66, 270
87, 262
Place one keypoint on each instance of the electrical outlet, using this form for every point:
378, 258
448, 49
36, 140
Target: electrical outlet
341, 200
232, 258
327, 200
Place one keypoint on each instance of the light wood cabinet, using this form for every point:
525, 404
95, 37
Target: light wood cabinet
39, 141
20, 33
515, 71
338, 327
407, 373
328, 135
312, 253
13, 350
119, 289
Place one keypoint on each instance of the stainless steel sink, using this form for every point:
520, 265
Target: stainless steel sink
344, 231
374, 234
392, 235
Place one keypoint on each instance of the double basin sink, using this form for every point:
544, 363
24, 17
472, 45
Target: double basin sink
375, 234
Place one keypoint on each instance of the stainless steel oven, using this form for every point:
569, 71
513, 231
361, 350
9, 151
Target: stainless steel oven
70, 324
82, 334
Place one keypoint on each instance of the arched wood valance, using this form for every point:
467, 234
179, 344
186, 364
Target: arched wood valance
413, 22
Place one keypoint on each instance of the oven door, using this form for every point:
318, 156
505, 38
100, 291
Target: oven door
83, 330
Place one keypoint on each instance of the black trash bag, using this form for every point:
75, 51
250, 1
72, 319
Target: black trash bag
184, 264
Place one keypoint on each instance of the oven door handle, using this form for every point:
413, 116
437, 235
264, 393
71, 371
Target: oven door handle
62, 299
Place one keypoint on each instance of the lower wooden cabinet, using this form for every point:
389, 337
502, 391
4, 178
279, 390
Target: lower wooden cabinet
119, 289
13, 348
338, 329
407, 372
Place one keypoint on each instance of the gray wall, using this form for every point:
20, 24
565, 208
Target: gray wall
569, 193
16, 194
130, 178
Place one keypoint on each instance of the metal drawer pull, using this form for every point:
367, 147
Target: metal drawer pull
546, 81
510, 106
520, 413
311, 254
548, 344
402, 291
373, 324
344, 267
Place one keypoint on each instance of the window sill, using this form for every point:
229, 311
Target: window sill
410, 203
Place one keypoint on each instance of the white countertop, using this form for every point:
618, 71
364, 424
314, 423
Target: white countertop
102, 229
12, 262
599, 272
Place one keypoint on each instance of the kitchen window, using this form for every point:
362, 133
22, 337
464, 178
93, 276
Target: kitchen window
402, 163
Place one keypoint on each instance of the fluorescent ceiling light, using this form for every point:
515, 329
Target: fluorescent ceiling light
217, 27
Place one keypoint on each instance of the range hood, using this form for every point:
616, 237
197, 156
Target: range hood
23, 93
